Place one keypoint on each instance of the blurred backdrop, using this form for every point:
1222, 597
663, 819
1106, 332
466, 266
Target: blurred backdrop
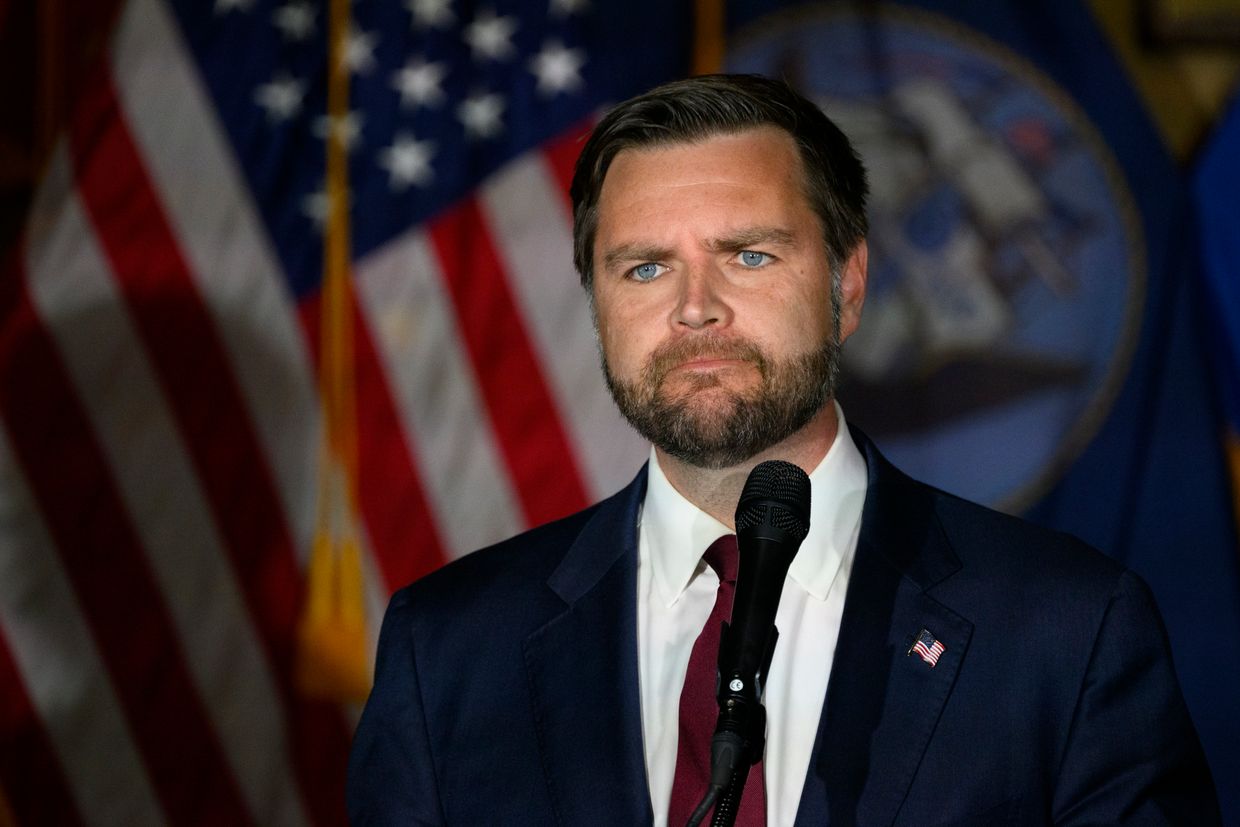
288, 319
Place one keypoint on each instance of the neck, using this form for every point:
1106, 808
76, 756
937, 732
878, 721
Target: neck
717, 490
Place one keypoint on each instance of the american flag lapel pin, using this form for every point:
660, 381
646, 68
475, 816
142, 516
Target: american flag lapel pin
927, 647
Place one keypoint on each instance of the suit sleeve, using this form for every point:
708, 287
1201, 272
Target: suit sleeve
391, 775
1132, 755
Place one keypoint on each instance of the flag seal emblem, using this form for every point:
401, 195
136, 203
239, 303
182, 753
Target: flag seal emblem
1007, 257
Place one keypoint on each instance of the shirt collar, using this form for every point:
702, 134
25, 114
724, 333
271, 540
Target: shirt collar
676, 532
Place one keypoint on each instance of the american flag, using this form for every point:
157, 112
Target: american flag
927, 647
159, 338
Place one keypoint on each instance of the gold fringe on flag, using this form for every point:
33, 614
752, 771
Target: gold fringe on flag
708, 36
333, 641
1233, 465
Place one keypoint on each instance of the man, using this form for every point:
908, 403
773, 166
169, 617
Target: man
938, 663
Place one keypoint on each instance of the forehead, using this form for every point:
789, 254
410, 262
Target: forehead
710, 188
762, 154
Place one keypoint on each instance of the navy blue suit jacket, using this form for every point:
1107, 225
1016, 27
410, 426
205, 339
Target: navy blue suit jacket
506, 688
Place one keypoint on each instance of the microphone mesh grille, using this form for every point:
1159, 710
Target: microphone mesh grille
776, 493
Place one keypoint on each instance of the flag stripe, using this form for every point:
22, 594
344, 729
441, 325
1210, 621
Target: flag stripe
191, 364
185, 350
52, 648
231, 260
518, 401
390, 489
79, 304
533, 235
30, 774
32, 783
237, 277
67, 473
171, 119
390, 492
402, 295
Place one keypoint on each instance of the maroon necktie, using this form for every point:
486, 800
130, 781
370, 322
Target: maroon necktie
699, 710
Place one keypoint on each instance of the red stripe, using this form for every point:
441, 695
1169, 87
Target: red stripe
399, 521
522, 412
68, 474
31, 777
561, 155
191, 362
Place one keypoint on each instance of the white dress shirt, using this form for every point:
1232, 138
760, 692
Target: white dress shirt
676, 592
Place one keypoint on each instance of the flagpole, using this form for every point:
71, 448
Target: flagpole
333, 659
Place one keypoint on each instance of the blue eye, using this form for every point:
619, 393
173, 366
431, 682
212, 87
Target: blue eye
646, 272
752, 258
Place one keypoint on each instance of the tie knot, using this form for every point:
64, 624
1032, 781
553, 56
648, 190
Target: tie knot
723, 557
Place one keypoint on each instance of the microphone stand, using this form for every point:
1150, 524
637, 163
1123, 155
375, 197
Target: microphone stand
740, 734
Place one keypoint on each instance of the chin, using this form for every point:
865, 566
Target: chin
711, 407
705, 387
711, 413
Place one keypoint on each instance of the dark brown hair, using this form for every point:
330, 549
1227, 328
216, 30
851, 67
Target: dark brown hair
687, 111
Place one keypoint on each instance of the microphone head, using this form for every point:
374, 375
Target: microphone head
775, 495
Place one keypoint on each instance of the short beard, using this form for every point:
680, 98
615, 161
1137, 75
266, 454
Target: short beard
789, 395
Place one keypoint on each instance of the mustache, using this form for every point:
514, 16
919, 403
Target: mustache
670, 355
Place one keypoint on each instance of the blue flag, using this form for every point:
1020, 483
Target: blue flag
1032, 335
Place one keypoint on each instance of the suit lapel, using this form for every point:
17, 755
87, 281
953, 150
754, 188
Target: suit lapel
883, 704
582, 673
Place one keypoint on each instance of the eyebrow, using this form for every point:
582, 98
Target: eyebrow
625, 253
751, 237
734, 242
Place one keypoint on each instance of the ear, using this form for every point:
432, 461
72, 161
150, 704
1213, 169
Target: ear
852, 289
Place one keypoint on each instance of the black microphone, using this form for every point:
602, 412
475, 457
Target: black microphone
772, 518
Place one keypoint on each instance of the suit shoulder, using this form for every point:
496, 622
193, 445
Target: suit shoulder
979, 529
1025, 564
902, 507
978, 546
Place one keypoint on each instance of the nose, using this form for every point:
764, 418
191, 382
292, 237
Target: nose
701, 304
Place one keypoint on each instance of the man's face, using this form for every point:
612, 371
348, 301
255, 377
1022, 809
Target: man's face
712, 291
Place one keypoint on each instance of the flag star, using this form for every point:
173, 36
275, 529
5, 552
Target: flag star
408, 161
420, 83
359, 51
430, 14
566, 8
295, 20
281, 97
490, 36
558, 69
480, 114
315, 206
349, 128
225, 6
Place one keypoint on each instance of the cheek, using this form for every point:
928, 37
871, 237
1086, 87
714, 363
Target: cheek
790, 328
626, 331
616, 339
812, 307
